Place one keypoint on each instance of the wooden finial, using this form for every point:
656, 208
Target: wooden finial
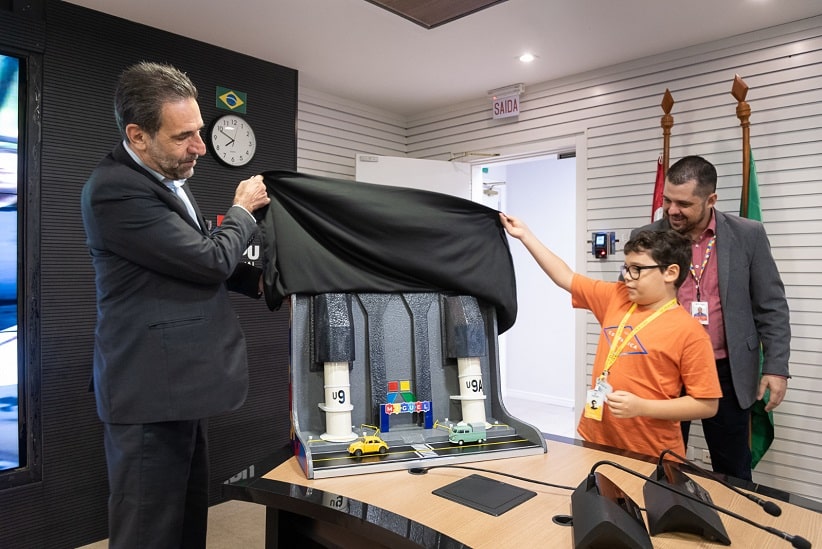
667, 102
667, 122
739, 89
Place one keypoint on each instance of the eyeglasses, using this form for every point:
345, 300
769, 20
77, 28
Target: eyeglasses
636, 270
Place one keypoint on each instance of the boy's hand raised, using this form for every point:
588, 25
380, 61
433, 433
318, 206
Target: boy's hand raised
553, 266
513, 226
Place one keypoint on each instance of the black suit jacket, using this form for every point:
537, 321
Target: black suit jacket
168, 345
754, 307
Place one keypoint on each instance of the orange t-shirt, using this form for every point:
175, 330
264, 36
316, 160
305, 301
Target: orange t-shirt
670, 352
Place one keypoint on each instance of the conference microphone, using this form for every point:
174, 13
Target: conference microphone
770, 507
796, 541
670, 512
605, 517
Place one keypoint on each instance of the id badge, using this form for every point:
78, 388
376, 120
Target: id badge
594, 401
699, 310
604, 388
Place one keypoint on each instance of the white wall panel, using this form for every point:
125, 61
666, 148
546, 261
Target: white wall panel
331, 131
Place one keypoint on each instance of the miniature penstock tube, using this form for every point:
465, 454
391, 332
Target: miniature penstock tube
466, 341
334, 347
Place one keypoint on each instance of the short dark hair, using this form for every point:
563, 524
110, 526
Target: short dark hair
664, 247
143, 89
694, 168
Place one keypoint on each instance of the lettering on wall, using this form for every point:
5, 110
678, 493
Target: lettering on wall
505, 107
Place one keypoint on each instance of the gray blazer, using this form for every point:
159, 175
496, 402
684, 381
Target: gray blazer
754, 307
168, 345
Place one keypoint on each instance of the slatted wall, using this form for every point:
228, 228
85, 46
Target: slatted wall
331, 131
615, 114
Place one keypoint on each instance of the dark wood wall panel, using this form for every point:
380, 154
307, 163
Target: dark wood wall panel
83, 55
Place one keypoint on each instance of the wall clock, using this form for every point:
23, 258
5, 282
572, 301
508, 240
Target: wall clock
232, 140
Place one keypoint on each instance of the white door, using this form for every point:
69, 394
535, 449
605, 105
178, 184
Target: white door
429, 175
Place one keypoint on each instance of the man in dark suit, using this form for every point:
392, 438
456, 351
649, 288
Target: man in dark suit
169, 351
734, 279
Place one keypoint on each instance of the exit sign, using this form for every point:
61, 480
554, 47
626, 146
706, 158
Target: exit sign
506, 106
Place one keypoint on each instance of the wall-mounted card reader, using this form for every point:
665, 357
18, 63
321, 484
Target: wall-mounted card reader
603, 244
600, 245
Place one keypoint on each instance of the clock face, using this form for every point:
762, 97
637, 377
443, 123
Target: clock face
232, 140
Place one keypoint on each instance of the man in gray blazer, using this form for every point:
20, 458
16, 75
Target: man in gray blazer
734, 281
169, 351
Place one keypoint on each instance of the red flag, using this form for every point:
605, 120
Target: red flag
656, 205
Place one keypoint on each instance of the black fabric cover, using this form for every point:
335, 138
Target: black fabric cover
324, 235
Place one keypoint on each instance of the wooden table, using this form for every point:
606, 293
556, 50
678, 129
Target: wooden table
397, 509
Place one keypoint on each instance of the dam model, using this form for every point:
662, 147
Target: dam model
390, 381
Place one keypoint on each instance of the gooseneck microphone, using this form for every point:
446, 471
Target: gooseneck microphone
770, 507
796, 541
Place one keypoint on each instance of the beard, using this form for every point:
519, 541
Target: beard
686, 225
171, 166
680, 223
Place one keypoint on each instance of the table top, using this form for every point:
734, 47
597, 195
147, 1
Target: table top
403, 505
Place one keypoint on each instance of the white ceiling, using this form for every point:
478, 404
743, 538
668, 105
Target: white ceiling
357, 50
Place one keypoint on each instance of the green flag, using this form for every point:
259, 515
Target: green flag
754, 208
762, 431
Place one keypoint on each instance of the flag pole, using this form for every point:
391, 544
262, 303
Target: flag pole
761, 422
662, 161
743, 111
667, 123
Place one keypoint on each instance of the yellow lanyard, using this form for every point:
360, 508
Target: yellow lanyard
617, 346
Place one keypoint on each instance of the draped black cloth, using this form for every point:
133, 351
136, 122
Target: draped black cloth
324, 235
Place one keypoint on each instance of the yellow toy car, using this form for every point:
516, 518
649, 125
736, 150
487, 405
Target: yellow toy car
369, 444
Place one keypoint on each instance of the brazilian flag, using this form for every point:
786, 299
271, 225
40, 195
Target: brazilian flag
231, 100
762, 431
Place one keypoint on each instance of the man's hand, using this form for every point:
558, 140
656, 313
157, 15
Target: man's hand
251, 194
778, 385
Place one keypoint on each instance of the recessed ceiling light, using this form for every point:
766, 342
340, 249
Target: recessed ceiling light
527, 57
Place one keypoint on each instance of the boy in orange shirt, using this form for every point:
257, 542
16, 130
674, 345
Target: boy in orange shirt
649, 348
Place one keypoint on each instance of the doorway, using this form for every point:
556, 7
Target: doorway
538, 355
